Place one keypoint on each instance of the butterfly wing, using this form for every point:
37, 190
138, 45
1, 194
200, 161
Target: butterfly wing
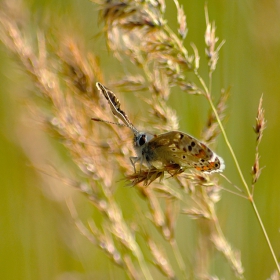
180, 148
115, 106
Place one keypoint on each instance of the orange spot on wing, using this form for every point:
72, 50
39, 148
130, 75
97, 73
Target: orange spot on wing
201, 154
211, 166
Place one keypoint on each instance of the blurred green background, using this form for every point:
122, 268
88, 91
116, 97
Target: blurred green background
38, 239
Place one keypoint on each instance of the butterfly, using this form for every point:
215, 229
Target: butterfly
174, 148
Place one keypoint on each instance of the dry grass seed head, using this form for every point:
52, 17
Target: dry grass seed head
260, 121
82, 71
160, 259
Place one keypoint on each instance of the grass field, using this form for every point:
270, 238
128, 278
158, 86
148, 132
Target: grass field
43, 173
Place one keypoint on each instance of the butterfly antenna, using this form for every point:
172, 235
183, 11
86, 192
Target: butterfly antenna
116, 106
99, 120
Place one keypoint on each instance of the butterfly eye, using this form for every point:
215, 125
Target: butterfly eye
141, 140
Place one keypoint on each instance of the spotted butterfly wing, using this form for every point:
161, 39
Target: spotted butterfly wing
176, 147
115, 106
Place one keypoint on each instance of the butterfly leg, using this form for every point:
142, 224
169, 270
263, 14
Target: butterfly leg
133, 161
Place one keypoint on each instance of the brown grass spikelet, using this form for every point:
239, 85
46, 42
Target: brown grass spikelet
96, 237
260, 121
160, 260
259, 128
212, 52
147, 176
182, 20
256, 170
232, 255
81, 71
195, 213
131, 83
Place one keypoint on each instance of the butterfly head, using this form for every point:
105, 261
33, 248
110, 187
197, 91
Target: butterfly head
140, 140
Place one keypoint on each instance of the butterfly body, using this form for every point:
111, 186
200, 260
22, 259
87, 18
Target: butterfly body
170, 148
